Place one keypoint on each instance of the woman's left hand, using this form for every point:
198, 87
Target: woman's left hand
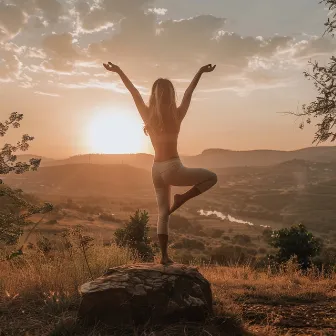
111, 67
208, 68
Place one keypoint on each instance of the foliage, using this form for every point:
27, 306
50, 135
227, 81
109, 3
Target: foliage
295, 241
324, 78
241, 239
44, 244
179, 223
76, 239
135, 236
232, 254
16, 209
187, 243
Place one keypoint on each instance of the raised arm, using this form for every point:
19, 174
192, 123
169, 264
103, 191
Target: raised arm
183, 108
141, 106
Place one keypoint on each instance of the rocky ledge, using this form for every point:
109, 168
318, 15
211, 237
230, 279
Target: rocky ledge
146, 293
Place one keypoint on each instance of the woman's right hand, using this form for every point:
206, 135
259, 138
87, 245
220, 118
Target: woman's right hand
208, 68
111, 67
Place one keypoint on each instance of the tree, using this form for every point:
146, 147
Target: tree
295, 241
135, 236
15, 208
324, 78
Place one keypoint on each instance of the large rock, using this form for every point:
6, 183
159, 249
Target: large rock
141, 293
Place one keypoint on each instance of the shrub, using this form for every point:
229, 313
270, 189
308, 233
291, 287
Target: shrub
295, 241
189, 244
44, 244
241, 239
216, 233
179, 223
135, 236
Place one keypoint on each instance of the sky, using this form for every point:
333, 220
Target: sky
51, 55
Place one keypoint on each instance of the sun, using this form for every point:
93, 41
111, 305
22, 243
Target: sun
116, 131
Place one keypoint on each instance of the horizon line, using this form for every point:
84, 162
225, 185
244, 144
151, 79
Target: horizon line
182, 155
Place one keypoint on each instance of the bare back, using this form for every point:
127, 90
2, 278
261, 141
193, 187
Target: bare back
165, 142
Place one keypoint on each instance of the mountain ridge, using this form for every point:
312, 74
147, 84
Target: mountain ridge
209, 158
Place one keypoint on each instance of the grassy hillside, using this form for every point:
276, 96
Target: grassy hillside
39, 296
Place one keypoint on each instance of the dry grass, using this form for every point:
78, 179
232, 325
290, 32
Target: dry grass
289, 284
39, 294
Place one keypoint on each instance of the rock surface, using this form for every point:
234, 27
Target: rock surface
146, 293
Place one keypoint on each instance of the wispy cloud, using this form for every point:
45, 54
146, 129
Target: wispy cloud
158, 11
47, 94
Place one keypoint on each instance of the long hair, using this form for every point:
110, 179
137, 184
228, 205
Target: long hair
162, 106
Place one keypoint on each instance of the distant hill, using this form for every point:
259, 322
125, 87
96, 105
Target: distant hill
220, 158
210, 158
288, 192
83, 179
27, 157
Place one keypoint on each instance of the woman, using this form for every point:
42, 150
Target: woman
162, 120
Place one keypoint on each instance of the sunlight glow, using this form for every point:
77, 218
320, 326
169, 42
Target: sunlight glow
116, 131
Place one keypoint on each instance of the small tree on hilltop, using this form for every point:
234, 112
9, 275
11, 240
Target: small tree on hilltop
295, 241
15, 209
135, 236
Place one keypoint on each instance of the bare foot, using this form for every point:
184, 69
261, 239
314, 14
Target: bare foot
166, 261
178, 202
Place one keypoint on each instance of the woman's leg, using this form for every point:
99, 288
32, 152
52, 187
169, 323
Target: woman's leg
163, 202
201, 180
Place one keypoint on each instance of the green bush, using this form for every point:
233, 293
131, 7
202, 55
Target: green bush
297, 242
135, 236
189, 244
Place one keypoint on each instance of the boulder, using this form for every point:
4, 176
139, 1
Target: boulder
146, 293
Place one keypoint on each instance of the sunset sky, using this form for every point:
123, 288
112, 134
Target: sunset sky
51, 55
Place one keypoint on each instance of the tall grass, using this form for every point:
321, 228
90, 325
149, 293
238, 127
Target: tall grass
39, 290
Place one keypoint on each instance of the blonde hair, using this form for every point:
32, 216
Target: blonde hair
162, 106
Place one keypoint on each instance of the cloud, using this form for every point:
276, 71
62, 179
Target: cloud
34, 52
71, 38
95, 84
158, 11
60, 52
10, 65
105, 14
51, 9
12, 20
47, 94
